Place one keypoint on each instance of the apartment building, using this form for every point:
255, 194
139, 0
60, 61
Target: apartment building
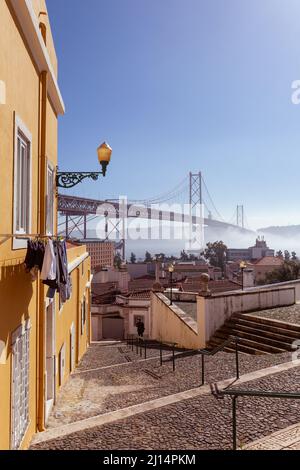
102, 253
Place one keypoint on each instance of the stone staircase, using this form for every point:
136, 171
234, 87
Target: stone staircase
257, 335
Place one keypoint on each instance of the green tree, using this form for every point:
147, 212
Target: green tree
287, 255
289, 271
215, 253
160, 256
184, 256
294, 256
148, 257
117, 261
132, 258
279, 254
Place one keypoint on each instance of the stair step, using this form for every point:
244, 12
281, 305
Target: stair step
252, 343
267, 327
286, 338
213, 343
258, 336
268, 321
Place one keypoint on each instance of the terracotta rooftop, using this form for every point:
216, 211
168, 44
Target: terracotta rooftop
142, 284
143, 294
99, 288
269, 261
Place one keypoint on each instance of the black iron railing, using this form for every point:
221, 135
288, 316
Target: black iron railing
227, 342
234, 394
141, 344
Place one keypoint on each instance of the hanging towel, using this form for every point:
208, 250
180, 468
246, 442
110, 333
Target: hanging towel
49, 263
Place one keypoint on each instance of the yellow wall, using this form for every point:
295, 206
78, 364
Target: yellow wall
71, 313
19, 296
171, 325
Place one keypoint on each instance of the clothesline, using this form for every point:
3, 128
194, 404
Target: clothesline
29, 235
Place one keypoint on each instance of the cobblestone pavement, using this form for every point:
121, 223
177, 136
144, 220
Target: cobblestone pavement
101, 355
99, 391
200, 423
289, 314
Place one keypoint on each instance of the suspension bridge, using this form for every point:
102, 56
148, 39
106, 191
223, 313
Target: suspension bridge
76, 213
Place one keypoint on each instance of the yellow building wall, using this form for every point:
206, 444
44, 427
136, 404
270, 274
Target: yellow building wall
18, 294
70, 313
40, 8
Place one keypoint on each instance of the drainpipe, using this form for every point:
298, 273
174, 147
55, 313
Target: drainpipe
78, 315
41, 369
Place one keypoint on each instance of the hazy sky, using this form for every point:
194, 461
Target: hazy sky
180, 85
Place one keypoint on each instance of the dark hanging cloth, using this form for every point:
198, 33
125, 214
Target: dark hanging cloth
53, 283
65, 285
34, 257
62, 282
39, 256
30, 256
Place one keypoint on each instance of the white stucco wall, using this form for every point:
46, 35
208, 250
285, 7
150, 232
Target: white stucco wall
219, 308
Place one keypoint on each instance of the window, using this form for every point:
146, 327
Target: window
83, 314
20, 384
50, 200
22, 182
72, 347
62, 363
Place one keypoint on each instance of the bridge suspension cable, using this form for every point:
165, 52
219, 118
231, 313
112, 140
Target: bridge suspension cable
180, 188
211, 200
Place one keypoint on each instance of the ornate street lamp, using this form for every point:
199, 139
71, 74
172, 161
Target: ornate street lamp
243, 265
68, 179
171, 270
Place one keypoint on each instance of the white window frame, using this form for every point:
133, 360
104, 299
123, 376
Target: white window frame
20, 128
72, 347
83, 314
50, 192
21, 334
62, 364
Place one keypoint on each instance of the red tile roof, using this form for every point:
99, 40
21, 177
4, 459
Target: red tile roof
143, 294
269, 261
100, 288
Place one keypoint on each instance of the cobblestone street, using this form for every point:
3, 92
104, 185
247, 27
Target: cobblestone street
113, 378
289, 314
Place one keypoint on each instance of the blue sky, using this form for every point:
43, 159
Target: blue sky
180, 85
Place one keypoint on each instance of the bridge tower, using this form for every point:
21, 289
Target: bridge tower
195, 189
240, 216
196, 238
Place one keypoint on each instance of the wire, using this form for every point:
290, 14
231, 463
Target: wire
208, 193
178, 189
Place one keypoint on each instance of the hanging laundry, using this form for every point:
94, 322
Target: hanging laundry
65, 283
49, 268
34, 257
51, 259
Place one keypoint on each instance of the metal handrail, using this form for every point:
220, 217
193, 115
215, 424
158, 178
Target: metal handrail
142, 343
234, 393
203, 352
223, 345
